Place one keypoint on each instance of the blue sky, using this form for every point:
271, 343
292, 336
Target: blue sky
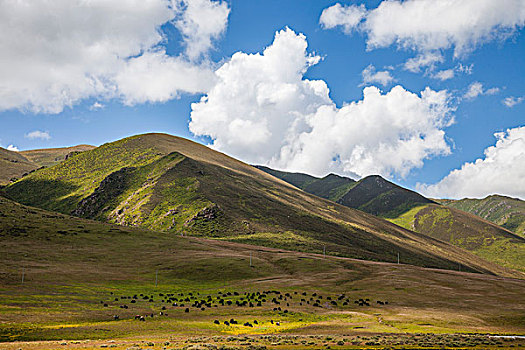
109, 100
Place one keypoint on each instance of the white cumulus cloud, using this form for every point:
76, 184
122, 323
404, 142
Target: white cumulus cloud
37, 134
500, 171
200, 22
56, 53
262, 110
347, 17
429, 26
13, 148
371, 76
157, 77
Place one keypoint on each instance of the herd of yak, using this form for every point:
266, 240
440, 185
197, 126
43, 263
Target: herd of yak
194, 301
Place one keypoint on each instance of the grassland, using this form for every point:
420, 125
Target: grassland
78, 273
15, 165
169, 184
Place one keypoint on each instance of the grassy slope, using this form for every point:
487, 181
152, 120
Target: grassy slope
13, 165
173, 191
71, 264
50, 156
467, 231
504, 211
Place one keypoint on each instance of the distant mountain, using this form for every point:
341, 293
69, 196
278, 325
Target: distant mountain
377, 196
50, 156
372, 194
13, 166
504, 211
331, 186
409, 209
166, 183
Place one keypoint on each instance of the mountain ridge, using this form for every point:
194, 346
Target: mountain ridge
170, 184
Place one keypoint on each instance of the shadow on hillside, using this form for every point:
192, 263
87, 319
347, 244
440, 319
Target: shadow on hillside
46, 194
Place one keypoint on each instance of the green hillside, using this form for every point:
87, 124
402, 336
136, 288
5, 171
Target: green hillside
13, 166
504, 211
467, 231
169, 184
64, 278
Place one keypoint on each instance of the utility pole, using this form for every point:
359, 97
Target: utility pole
398, 258
23, 274
324, 251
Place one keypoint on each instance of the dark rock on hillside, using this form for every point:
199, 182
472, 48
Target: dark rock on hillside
206, 214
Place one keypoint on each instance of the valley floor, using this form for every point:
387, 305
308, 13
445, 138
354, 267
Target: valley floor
305, 301
64, 279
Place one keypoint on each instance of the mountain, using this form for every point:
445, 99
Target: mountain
372, 194
504, 211
50, 156
169, 184
409, 209
64, 277
330, 187
377, 196
13, 165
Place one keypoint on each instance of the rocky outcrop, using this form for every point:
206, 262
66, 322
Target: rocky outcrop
206, 214
112, 186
